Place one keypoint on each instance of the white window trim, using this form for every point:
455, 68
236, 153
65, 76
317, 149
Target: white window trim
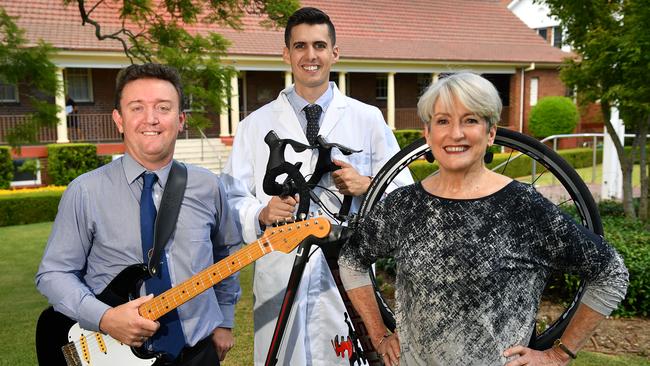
17, 99
91, 96
534, 91
35, 182
378, 77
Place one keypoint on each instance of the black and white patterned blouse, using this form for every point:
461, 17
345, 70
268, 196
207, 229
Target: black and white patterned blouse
470, 273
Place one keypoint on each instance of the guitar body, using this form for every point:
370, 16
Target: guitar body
55, 330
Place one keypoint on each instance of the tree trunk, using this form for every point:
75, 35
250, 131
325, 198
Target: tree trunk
627, 163
643, 204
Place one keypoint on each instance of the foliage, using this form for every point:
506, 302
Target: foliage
6, 167
406, 137
30, 68
613, 45
552, 116
21, 208
167, 32
65, 162
630, 238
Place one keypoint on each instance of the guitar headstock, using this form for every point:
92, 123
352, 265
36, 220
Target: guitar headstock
286, 237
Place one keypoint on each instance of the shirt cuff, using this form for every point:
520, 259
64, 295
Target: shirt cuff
600, 301
228, 312
91, 312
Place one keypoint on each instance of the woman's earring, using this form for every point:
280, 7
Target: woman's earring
429, 156
489, 155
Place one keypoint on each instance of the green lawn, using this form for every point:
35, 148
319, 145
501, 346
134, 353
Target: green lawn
21, 248
586, 174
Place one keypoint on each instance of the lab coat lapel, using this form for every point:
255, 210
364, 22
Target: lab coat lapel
288, 126
334, 114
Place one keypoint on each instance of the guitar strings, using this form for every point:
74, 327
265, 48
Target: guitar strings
157, 305
91, 339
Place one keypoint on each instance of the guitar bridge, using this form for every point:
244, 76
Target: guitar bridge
70, 354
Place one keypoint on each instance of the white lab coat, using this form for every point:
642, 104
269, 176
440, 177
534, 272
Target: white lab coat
318, 312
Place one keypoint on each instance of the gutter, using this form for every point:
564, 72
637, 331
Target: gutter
521, 96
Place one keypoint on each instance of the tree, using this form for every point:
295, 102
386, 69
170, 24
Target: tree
31, 68
553, 115
613, 44
165, 31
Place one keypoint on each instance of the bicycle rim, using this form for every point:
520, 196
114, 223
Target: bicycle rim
578, 193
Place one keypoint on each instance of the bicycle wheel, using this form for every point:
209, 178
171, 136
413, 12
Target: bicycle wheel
570, 193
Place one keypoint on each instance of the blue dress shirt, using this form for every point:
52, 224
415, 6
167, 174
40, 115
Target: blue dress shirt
96, 235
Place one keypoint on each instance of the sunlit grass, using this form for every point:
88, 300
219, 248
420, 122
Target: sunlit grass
587, 175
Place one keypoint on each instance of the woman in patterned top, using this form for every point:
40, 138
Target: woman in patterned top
474, 250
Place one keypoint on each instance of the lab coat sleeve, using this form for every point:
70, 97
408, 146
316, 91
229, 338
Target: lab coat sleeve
239, 181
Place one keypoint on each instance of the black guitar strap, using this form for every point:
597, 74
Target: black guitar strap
170, 206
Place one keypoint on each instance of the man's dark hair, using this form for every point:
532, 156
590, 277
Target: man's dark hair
309, 16
148, 71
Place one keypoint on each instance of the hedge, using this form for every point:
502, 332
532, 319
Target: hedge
24, 207
65, 162
520, 167
553, 116
6, 167
406, 137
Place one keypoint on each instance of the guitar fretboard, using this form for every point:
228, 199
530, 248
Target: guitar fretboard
284, 238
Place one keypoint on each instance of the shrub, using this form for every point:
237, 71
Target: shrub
406, 137
65, 162
26, 207
6, 167
552, 116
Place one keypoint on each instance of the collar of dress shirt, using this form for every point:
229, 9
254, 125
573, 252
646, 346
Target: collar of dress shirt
133, 170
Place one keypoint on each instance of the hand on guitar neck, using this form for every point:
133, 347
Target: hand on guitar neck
125, 323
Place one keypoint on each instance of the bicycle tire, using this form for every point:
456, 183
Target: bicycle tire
581, 196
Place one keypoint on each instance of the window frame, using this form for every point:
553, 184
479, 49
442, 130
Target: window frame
16, 93
89, 85
381, 87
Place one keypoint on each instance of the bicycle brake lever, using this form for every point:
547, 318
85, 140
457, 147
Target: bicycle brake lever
329, 145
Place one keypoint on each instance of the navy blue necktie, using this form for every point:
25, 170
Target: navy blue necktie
312, 112
169, 337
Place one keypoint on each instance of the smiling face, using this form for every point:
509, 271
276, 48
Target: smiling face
311, 55
150, 120
458, 137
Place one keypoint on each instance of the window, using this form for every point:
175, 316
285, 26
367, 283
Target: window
8, 93
381, 87
424, 80
543, 32
79, 84
534, 85
557, 37
27, 172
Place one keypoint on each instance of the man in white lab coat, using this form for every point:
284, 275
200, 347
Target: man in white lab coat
318, 312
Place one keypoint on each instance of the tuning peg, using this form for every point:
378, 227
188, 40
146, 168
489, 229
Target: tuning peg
311, 214
320, 213
302, 216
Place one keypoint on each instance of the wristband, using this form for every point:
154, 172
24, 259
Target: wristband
558, 343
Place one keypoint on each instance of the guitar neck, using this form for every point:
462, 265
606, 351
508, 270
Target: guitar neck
184, 292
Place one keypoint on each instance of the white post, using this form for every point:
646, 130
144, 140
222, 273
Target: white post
288, 81
224, 126
390, 101
342, 85
434, 78
612, 186
59, 100
234, 103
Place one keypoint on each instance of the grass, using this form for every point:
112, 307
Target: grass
586, 174
21, 248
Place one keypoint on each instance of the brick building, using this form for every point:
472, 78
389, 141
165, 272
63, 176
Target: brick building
389, 54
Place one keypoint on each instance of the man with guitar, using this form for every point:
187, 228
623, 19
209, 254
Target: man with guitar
105, 224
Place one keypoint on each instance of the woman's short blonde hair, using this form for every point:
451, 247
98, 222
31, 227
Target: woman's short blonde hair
475, 92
